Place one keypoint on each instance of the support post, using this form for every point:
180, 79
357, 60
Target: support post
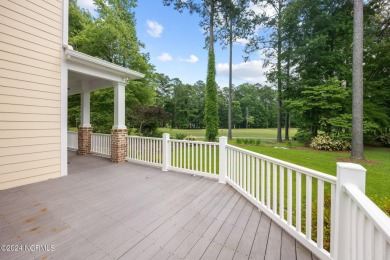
166, 152
119, 129
222, 159
84, 130
347, 173
119, 106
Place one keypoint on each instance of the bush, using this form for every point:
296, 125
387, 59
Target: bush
156, 133
248, 141
180, 136
384, 139
327, 143
190, 138
303, 136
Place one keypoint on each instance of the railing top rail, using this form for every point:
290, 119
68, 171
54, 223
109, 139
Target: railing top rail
192, 142
143, 137
379, 219
313, 173
100, 134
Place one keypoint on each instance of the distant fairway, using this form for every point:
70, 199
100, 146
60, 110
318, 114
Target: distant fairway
259, 133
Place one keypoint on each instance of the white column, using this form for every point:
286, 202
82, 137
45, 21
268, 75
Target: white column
222, 159
119, 106
347, 173
166, 152
85, 109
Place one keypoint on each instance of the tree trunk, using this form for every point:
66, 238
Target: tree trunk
288, 66
230, 136
357, 81
287, 126
279, 68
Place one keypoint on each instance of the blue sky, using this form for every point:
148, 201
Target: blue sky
175, 43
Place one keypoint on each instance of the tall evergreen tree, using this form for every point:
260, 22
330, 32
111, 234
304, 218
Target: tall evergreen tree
209, 11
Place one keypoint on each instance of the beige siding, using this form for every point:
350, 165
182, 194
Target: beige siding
30, 102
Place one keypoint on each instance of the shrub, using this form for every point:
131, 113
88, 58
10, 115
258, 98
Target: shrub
156, 133
384, 139
180, 136
327, 143
303, 136
258, 141
239, 141
190, 138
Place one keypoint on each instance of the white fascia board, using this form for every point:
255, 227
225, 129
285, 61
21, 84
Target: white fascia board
81, 58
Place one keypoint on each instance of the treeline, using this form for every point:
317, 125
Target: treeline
254, 105
307, 45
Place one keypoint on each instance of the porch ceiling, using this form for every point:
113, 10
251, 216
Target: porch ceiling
87, 73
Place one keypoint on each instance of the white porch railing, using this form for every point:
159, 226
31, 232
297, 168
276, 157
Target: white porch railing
145, 150
198, 158
321, 211
288, 193
73, 140
101, 144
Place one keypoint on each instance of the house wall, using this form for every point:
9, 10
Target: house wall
30, 91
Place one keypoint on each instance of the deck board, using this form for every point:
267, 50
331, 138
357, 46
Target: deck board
125, 211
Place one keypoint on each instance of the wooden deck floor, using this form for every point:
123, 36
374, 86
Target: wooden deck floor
109, 211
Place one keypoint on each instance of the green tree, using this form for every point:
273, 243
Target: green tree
112, 37
237, 114
209, 11
317, 104
237, 24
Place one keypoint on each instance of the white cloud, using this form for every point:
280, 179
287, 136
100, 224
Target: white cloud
192, 59
252, 71
164, 57
154, 28
241, 41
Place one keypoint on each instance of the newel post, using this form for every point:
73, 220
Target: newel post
166, 152
347, 173
222, 159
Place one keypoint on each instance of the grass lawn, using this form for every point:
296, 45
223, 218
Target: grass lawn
260, 133
377, 164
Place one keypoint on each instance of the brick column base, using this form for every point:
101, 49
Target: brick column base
84, 141
118, 145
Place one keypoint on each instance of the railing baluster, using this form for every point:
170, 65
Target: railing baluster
215, 159
281, 192
185, 156
275, 188
353, 229
320, 214
263, 182
241, 171
257, 179
253, 176
289, 197
245, 172
298, 202
197, 157
332, 218
201, 158
308, 206
209, 168
360, 234
269, 185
